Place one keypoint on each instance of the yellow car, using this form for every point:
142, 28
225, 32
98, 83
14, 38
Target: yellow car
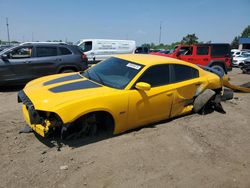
121, 93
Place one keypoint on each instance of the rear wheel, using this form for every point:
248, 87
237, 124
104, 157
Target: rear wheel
241, 64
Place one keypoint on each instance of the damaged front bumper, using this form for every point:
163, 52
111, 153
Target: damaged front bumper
32, 117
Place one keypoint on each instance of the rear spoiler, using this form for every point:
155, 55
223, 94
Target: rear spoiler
210, 69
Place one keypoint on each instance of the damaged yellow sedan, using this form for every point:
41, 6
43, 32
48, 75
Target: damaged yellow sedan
121, 93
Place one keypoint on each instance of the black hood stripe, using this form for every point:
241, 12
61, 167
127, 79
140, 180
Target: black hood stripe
85, 84
63, 79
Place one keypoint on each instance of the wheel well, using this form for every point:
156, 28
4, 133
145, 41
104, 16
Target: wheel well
67, 68
105, 118
222, 64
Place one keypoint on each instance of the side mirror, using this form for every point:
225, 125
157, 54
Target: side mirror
178, 54
143, 86
4, 57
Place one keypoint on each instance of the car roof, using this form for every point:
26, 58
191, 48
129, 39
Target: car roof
149, 60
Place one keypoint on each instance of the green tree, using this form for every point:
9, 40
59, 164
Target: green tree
246, 32
190, 39
235, 42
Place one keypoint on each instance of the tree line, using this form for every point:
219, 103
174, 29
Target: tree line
190, 39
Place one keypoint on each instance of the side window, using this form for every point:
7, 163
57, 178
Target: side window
64, 51
46, 51
220, 50
186, 51
183, 72
202, 50
86, 46
20, 53
156, 76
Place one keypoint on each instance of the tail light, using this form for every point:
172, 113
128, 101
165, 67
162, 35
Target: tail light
84, 57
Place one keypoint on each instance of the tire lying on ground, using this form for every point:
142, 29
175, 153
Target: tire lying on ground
228, 94
203, 99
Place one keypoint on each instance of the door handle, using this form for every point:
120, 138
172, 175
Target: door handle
205, 59
59, 59
190, 59
169, 94
27, 62
198, 83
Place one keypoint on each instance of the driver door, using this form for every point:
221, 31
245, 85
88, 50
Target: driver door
154, 105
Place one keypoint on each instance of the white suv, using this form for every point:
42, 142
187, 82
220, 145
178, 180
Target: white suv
238, 61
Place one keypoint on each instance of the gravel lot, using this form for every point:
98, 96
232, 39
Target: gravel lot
191, 151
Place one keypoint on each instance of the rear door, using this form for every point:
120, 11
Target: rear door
46, 61
202, 56
185, 80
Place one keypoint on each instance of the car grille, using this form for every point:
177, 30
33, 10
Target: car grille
22, 97
33, 114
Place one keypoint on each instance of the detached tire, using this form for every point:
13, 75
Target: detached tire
202, 100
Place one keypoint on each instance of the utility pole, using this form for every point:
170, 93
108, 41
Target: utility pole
160, 33
7, 24
32, 37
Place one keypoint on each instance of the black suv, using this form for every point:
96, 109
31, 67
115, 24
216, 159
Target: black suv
22, 63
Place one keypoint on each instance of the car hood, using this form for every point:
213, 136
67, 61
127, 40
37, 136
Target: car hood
52, 91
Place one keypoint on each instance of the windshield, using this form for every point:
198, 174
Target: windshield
113, 72
6, 50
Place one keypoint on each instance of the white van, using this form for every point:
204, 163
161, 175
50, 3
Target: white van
100, 49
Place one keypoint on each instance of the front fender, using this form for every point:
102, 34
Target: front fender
117, 106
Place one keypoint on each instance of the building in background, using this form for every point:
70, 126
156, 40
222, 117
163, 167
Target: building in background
244, 43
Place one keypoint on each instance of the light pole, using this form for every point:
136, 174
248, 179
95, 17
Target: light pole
7, 24
160, 33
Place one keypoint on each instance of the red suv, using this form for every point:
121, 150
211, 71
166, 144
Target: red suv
217, 56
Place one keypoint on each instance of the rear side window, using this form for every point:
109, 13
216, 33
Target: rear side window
183, 72
46, 51
64, 51
156, 76
220, 50
202, 50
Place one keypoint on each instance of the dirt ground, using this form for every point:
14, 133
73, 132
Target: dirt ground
192, 151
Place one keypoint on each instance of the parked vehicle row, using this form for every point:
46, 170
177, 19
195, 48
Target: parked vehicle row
28, 61
239, 61
237, 52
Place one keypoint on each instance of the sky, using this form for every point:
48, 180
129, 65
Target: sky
139, 20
